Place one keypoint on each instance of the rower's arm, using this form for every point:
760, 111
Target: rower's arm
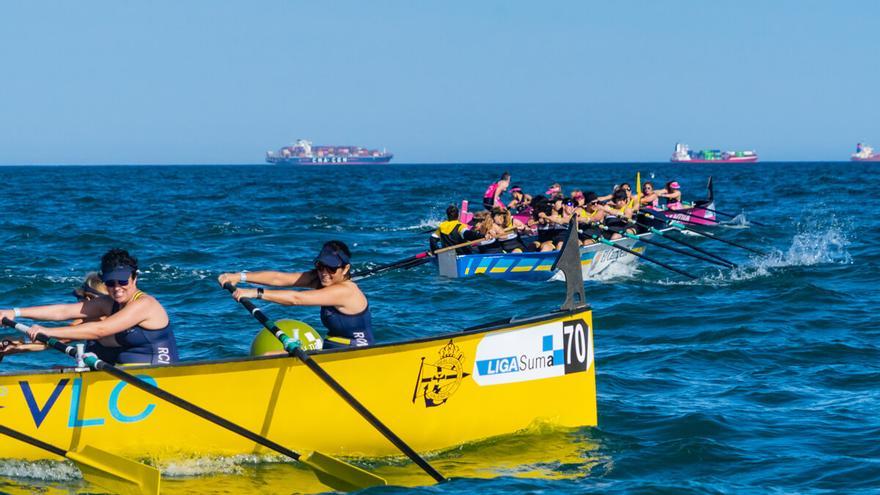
59, 312
272, 278
333, 295
134, 313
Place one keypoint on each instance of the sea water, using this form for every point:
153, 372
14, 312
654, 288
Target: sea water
759, 379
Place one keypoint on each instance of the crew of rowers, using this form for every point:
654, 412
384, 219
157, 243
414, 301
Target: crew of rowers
121, 324
500, 229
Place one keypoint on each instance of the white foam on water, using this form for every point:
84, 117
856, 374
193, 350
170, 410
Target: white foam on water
424, 223
200, 466
39, 470
738, 222
812, 245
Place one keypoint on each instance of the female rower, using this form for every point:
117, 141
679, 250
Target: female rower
345, 311
507, 231
650, 197
521, 202
673, 196
492, 196
555, 191
593, 213
618, 216
554, 221
128, 327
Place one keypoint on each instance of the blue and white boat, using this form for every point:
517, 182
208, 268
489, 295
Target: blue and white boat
597, 261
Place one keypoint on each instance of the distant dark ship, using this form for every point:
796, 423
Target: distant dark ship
303, 153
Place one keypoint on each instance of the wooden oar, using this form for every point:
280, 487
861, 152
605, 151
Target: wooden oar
670, 248
729, 215
109, 471
679, 226
662, 234
293, 348
330, 471
605, 241
415, 260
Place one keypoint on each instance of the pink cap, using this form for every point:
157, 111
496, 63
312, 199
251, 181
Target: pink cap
675, 185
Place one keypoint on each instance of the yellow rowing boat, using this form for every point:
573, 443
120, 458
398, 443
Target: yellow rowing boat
434, 393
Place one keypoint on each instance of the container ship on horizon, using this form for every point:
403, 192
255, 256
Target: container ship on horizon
864, 153
683, 154
304, 153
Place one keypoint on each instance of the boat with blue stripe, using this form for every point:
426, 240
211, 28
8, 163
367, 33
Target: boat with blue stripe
597, 260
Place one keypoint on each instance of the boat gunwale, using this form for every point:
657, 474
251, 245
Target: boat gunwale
481, 328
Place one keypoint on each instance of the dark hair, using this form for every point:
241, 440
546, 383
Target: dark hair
648, 183
619, 195
451, 212
620, 187
505, 176
540, 204
119, 257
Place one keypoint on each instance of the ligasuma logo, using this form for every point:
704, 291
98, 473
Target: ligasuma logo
438, 380
534, 353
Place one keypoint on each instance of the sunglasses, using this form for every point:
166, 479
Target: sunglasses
594, 202
326, 268
114, 283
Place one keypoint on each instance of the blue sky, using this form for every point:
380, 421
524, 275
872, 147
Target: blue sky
453, 81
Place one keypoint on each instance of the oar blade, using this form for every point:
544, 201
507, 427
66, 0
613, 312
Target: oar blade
114, 473
340, 475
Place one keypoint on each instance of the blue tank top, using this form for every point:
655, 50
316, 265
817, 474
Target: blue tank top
347, 330
138, 345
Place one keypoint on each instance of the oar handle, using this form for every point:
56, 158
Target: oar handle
95, 363
298, 353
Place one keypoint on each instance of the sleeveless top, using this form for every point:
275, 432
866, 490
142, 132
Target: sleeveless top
347, 330
490, 191
137, 345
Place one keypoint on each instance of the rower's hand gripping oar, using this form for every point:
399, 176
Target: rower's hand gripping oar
109, 471
292, 347
605, 241
677, 224
330, 471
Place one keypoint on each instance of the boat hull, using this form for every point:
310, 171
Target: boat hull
872, 158
696, 215
331, 160
434, 393
596, 260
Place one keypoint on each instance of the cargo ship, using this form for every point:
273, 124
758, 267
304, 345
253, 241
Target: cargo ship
683, 154
304, 153
864, 153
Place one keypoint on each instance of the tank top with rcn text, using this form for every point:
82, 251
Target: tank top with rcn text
137, 345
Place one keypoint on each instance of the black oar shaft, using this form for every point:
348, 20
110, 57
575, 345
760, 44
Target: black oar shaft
645, 257
672, 223
680, 251
340, 390
32, 441
717, 259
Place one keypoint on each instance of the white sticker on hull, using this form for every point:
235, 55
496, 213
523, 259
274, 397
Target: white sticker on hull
545, 351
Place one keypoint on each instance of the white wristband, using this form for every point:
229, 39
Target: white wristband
17, 312
242, 277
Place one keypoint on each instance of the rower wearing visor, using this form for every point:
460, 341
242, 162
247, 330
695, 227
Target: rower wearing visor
345, 311
127, 327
